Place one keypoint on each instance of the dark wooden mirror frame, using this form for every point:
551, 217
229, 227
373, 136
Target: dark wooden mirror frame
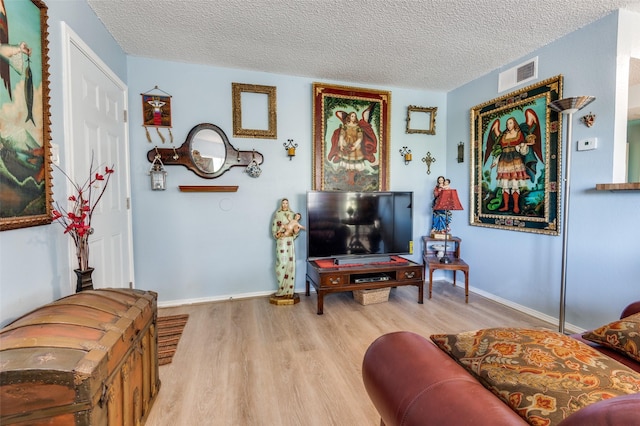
233, 158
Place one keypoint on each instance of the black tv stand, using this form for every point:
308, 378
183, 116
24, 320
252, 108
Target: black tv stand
337, 278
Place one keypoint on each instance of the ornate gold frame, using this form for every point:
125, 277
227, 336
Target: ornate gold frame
37, 209
238, 131
328, 174
538, 201
430, 111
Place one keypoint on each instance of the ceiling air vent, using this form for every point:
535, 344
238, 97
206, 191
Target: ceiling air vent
517, 75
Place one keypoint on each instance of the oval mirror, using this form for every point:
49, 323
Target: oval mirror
206, 151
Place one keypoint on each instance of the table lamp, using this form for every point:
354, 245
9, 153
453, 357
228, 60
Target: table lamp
447, 200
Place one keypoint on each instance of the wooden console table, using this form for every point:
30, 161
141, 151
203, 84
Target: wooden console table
340, 278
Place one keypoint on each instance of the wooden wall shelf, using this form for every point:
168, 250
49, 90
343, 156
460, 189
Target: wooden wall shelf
207, 188
631, 186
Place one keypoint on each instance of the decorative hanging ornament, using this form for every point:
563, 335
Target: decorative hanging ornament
588, 119
156, 112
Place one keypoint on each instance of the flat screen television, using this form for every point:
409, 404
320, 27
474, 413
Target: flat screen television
359, 225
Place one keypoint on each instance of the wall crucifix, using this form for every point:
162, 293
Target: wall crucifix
428, 159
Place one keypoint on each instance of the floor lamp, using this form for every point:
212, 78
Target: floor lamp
447, 200
567, 106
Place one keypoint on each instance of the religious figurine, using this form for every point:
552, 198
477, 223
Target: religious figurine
285, 228
439, 217
293, 227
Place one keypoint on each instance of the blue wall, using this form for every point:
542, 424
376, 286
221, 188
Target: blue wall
34, 262
604, 236
207, 246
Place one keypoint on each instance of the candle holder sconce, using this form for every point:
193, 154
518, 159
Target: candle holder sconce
460, 152
406, 153
291, 148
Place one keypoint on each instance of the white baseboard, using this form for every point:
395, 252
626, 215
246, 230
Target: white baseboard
180, 302
569, 328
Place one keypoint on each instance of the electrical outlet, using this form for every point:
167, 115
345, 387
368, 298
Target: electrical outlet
587, 144
55, 154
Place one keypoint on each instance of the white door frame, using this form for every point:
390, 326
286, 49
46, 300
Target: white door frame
69, 39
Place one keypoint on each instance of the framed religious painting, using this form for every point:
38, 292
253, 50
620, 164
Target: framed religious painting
516, 160
25, 163
350, 138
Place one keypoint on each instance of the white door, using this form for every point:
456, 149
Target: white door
95, 125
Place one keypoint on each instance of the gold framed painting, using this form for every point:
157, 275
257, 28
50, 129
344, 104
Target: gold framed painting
25, 161
516, 160
351, 128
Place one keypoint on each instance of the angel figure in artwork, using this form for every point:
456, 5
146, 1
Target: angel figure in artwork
516, 152
285, 229
353, 142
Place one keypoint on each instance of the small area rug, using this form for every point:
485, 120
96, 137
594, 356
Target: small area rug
169, 333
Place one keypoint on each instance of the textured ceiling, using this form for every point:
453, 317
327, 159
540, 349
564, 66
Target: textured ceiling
425, 44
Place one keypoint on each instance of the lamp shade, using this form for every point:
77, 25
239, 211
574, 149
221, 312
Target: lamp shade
571, 105
448, 200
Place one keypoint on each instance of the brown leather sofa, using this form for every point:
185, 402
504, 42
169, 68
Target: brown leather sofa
412, 382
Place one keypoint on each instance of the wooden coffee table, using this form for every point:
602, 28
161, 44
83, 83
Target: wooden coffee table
361, 277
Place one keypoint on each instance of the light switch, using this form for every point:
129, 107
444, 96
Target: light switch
587, 144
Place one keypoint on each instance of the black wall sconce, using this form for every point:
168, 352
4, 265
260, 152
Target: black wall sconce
406, 153
460, 152
291, 148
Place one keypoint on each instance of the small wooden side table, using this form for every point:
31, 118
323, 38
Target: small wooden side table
432, 262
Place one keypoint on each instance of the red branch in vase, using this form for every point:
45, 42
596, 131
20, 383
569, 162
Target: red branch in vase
77, 220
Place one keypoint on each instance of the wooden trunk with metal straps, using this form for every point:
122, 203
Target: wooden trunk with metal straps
87, 359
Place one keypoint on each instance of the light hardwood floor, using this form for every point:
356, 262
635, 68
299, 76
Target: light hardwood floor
247, 362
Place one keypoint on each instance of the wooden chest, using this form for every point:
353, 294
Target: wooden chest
86, 359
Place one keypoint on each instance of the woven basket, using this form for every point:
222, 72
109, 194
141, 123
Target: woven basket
368, 297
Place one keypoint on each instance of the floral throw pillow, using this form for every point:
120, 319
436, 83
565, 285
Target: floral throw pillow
544, 376
622, 336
